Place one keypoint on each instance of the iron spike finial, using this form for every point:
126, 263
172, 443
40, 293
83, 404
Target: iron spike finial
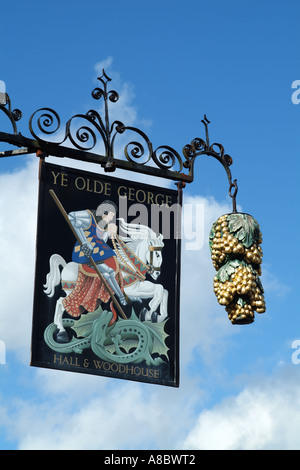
106, 77
205, 121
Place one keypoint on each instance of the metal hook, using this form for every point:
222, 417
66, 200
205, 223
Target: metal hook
233, 196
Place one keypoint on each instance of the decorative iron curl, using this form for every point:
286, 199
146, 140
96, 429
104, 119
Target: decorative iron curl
138, 151
83, 136
97, 93
134, 150
17, 114
91, 130
88, 132
120, 128
96, 118
168, 158
112, 95
48, 123
13, 115
199, 145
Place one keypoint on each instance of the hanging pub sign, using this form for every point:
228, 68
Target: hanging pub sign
106, 296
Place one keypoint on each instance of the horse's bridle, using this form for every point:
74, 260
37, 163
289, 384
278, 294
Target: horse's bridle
150, 266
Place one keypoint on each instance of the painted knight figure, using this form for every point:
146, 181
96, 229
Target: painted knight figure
107, 285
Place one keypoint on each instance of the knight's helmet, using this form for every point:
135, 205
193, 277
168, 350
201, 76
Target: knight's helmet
102, 210
105, 207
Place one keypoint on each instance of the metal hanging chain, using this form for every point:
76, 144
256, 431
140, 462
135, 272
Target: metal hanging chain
233, 195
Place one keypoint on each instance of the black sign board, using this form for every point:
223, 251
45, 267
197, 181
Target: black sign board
107, 279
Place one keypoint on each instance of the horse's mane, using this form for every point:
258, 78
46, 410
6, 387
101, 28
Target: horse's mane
137, 232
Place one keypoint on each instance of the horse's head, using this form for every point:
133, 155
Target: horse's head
154, 256
144, 242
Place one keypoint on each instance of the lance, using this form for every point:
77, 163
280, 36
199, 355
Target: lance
107, 286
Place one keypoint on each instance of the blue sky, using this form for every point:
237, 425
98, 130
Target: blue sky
172, 62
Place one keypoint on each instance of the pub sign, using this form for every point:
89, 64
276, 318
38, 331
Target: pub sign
106, 298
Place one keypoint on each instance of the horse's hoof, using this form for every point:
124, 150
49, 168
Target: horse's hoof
142, 315
154, 317
62, 337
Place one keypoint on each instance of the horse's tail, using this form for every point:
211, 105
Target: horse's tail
53, 277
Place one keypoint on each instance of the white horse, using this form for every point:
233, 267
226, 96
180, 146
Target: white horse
146, 246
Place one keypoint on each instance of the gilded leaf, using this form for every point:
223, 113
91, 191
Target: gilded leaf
244, 227
227, 270
212, 235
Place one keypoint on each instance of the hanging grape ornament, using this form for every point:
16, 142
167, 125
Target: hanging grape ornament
234, 242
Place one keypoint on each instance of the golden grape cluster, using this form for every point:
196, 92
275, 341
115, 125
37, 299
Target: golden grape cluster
236, 254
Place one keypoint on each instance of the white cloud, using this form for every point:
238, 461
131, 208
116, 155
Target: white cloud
272, 284
112, 421
204, 324
104, 64
162, 422
18, 209
105, 413
113, 415
75, 411
264, 416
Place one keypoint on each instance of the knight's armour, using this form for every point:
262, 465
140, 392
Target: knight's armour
90, 232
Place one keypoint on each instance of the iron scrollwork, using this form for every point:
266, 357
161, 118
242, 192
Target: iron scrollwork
96, 131
203, 147
92, 138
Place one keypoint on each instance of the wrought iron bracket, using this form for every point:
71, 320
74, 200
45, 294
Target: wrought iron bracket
91, 138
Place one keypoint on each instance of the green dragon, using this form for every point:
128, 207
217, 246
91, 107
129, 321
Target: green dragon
125, 341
